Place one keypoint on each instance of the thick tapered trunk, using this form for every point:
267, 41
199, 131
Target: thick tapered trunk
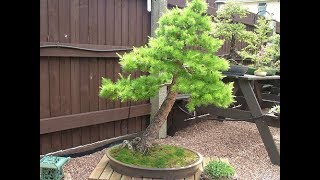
160, 118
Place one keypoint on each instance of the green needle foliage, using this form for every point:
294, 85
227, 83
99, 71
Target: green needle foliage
184, 49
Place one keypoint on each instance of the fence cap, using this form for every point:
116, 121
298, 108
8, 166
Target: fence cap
53, 162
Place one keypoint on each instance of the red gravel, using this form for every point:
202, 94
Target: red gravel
240, 142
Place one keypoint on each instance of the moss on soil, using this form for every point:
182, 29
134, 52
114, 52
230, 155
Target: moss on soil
159, 156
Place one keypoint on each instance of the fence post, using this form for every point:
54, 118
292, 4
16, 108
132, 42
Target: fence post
158, 7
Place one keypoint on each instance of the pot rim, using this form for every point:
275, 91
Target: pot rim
200, 159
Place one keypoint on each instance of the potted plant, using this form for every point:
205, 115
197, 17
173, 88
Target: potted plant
260, 72
182, 57
218, 170
227, 29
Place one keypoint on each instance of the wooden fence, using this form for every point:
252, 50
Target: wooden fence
79, 40
78, 44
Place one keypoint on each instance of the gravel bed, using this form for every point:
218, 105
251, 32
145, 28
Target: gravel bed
240, 142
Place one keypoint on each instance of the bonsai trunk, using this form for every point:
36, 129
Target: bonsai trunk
160, 117
233, 53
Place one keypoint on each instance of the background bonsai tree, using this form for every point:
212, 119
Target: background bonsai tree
262, 47
226, 28
181, 56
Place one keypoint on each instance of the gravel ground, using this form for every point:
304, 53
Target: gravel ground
240, 142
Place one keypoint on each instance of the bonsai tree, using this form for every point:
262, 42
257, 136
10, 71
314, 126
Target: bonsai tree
180, 56
273, 51
226, 28
260, 48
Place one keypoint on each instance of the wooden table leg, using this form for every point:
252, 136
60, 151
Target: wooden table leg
261, 124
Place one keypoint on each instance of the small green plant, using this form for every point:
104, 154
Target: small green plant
219, 169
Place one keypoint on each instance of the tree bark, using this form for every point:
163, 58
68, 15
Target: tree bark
160, 117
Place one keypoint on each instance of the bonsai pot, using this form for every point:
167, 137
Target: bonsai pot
251, 70
165, 173
237, 70
260, 73
271, 72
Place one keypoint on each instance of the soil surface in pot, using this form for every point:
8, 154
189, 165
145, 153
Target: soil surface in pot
159, 156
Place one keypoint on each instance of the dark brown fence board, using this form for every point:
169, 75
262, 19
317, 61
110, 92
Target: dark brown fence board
117, 23
83, 23
84, 85
43, 20
44, 88
56, 141
101, 21
66, 139
54, 86
53, 20
64, 21
124, 127
138, 124
132, 125
91, 118
110, 129
116, 68
93, 22
139, 23
110, 22
74, 21
124, 22
85, 135
132, 22
65, 82
45, 141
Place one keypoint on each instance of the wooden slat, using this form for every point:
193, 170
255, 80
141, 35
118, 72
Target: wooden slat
132, 125
94, 91
132, 21
124, 22
65, 82
84, 85
229, 113
64, 21
45, 143
107, 172
110, 129
44, 88
66, 139
43, 20
93, 22
83, 23
115, 176
124, 127
101, 21
110, 21
146, 23
53, 20
74, 21
138, 124
136, 178
54, 87
117, 128
91, 118
101, 73
56, 141
139, 32
75, 97
99, 168
117, 25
